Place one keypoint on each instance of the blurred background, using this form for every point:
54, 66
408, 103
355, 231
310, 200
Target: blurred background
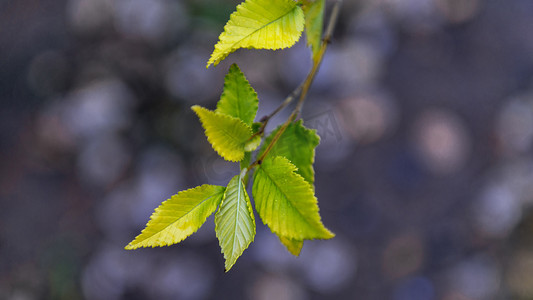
424, 171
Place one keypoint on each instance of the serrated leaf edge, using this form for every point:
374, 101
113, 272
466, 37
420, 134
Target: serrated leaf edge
132, 244
214, 145
216, 60
324, 230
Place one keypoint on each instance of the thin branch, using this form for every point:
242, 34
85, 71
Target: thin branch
332, 21
302, 89
318, 60
287, 101
264, 120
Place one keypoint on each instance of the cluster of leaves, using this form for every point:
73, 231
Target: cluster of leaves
283, 175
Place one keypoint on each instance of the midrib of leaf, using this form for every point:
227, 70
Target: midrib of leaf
174, 222
227, 134
238, 94
268, 24
287, 199
236, 217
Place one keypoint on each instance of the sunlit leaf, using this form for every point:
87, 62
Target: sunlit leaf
235, 222
238, 99
228, 135
297, 144
179, 217
286, 202
260, 24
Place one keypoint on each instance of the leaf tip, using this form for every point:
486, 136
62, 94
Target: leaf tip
292, 245
130, 246
227, 268
212, 61
196, 108
234, 67
328, 234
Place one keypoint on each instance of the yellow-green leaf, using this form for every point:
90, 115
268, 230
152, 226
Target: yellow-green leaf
294, 246
235, 222
179, 217
238, 99
297, 144
228, 135
286, 202
314, 20
260, 24
253, 143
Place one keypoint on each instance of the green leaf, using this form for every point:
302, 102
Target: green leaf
260, 24
238, 99
227, 135
297, 144
314, 23
235, 222
246, 160
294, 246
256, 126
179, 217
286, 202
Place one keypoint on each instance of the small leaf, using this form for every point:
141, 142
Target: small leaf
294, 246
235, 222
314, 23
260, 24
179, 217
238, 99
256, 126
227, 135
286, 202
297, 144
252, 144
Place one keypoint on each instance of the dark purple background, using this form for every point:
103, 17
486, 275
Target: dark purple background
424, 172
